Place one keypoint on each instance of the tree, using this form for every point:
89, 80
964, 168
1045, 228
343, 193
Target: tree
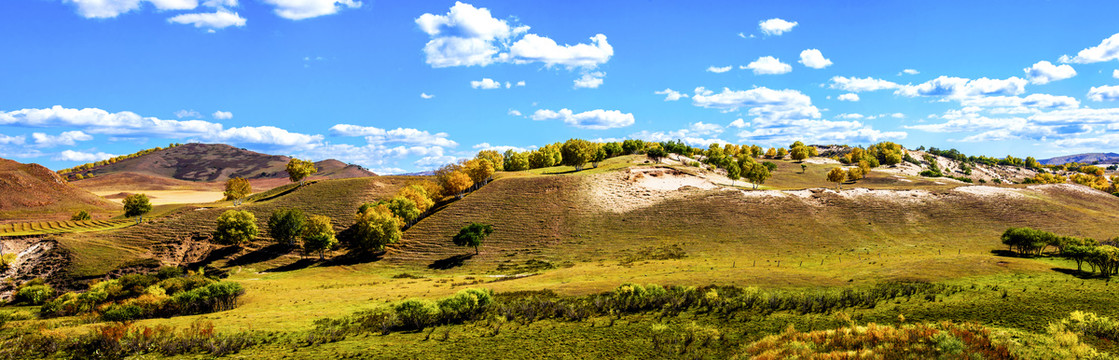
405, 209
81, 216
803, 168
757, 173
599, 155
300, 169
656, 154
781, 153
733, 172
375, 228
418, 196
540, 158
473, 235
612, 149
1025, 240
495, 158
632, 146
837, 176
516, 161
480, 170
137, 205
455, 183
237, 189
286, 225
854, 174
577, 153
771, 153
235, 227
318, 235
799, 153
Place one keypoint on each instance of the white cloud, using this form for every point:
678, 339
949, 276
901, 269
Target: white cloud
909, 72
719, 70
485, 83
597, 119
1107, 50
220, 3
101, 9
814, 59
954, 87
515, 112
762, 102
376, 135
468, 36
498, 148
522, 83
671, 95
776, 26
187, 113
1104, 93
855, 84
1044, 72
222, 115
426, 96
535, 48
850, 116
68, 138
848, 97
1017, 104
216, 20
1115, 74
304, 9
738, 123
590, 80
71, 155
768, 65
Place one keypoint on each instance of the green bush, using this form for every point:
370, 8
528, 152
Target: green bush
415, 314
465, 305
34, 294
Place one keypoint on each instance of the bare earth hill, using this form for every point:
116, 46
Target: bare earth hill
1102, 158
26, 189
218, 162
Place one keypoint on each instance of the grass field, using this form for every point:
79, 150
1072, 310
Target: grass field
549, 235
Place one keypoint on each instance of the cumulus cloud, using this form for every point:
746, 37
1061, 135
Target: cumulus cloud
1115, 74
768, 65
71, 155
761, 101
954, 87
501, 148
1104, 93
671, 95
738, 123
590, 80
855, 84
68, 138
101, 9
468, 36
11, 140
909, 72
1044, 72
426, 96
222, 115
718, 70
776, 26
375, 135
187, 113
597, 119
1106, 51
216, 20
814, 59
485, 83
305, 9
514, 112
848, 97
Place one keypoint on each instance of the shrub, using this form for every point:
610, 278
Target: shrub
34, 294
80, 216
415, 314
465, 305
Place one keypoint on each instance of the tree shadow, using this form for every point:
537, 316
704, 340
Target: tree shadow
297, 265
215, 255
260, 255
1008, 253
355, 257
1078, 274
572, 171
450, 263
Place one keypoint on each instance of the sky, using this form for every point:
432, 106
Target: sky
408, 86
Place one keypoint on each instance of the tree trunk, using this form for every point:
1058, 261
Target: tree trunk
475, 250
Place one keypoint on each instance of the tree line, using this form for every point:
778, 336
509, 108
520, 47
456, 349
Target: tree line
1100, 257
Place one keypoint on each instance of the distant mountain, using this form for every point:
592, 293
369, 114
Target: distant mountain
32, 187
1102, 158
218, 162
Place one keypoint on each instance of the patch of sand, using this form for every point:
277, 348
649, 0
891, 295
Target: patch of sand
162, 197
636, 188
989, 191
821, 160
1069, 187
900, 196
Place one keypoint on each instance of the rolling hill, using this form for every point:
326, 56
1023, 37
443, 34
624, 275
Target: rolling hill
216, 163
1088, 158
30, 190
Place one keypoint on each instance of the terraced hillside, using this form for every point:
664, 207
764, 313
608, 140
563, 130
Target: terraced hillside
33, 192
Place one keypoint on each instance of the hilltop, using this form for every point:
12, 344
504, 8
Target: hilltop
1088, 158
30, 190
215, 163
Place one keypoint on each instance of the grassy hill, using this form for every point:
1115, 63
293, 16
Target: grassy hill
33, 192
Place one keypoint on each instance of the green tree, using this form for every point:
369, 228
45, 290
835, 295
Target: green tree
375, 228
799, 153
137, 205
612, 149
405, 209
633, 146
757, 173
318, 235
81, 216
540, 158
235, 227
803, 168
837, 176
656, 154
495, 158
237, 189
733, 172
298, 170
286, 225
473, 235
781, 152
577, 153
599, 155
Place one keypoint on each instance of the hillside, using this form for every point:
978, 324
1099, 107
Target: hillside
1089, 158
31, 191
216, 163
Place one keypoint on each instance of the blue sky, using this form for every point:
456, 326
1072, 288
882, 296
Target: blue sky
408, 86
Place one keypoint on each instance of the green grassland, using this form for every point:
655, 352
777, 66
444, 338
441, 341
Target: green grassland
550, 235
